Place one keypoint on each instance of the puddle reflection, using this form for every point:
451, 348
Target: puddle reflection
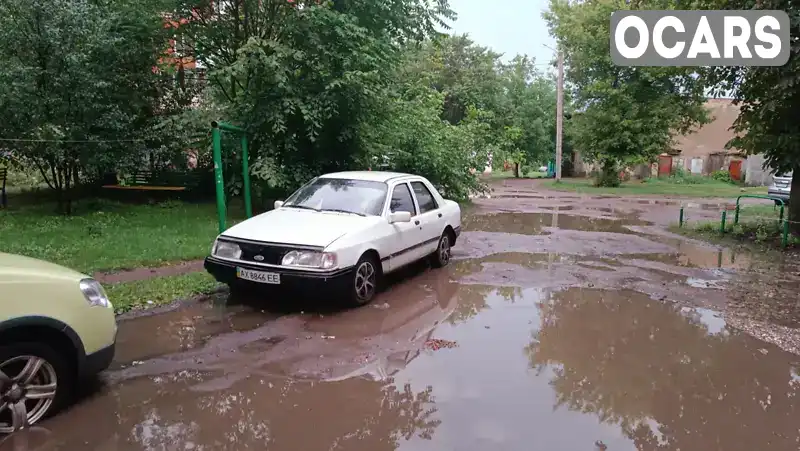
531, 369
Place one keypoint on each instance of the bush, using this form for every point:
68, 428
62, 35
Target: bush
722, 176
681, 176
760, 230
608, 176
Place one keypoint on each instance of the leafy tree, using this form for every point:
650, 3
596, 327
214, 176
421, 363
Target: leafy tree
407, 133
769, 98
626, 113
77, 84
301, 76
529, 113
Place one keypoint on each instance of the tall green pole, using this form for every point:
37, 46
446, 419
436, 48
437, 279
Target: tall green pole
248, 208
218, 181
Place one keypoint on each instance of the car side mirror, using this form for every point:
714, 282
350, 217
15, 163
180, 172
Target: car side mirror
399, 216
278, 204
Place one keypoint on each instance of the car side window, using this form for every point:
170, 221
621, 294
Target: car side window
402, 200
424, 197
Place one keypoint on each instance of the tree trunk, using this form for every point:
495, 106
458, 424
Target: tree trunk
68, 189
516, 170
794, 204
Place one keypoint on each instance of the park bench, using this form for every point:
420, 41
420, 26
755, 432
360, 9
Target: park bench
3, 196
159, 181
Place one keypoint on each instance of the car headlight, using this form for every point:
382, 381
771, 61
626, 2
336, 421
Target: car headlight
94, 293
226, 249
310, 259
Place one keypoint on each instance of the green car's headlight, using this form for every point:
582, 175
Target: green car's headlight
94, 293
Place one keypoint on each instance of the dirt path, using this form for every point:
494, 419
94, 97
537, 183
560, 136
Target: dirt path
133, 275
564, 322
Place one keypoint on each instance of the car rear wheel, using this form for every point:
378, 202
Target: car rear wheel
364, 285
441, 257
35, 382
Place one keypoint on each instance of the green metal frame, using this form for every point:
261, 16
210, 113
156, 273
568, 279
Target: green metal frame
216, 137
784, 222
724, 216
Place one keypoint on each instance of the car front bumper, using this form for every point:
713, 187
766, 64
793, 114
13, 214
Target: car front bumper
779, 194
295, 280
98, 360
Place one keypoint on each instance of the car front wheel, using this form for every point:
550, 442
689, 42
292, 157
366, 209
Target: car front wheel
365, 280
34, 383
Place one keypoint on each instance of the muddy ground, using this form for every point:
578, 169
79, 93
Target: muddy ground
566, 322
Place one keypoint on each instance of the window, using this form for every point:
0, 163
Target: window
344, 195
401, 200
424, 197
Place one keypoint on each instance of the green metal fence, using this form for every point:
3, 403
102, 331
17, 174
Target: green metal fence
216, 137
703, 215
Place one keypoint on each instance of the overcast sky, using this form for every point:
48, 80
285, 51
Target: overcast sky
511, 27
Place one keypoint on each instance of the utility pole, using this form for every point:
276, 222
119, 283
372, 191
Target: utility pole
559, 112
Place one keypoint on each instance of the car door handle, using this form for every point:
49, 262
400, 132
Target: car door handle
416, 222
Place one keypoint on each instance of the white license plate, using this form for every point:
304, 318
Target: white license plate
258, 276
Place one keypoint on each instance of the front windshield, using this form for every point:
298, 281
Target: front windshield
348, 196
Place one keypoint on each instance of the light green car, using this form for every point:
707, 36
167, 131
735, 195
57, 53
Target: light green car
57, 327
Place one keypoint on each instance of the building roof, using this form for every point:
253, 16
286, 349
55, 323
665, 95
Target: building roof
373, 176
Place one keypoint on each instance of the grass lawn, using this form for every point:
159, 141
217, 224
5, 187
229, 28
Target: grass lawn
499, 175
159, 290
106, 235
708, 188
759, 229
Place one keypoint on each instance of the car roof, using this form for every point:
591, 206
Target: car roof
372, 176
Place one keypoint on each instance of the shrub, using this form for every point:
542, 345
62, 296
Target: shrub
608, 176
681, 176
722, 176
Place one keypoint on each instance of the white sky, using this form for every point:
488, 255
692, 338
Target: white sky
510, 27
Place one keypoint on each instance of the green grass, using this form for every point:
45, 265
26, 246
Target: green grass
107, 236
709, 188
758, 229
500, 175
157, 291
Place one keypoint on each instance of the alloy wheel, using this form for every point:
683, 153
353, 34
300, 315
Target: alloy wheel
365, 281
444, 250
27, 390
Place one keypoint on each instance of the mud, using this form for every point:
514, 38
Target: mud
133, 275
592, 330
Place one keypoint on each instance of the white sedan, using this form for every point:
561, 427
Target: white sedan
341, 232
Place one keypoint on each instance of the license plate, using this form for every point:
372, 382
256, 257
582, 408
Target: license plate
258, 276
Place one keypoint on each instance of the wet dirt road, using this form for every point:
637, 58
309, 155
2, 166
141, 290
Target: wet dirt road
564, 323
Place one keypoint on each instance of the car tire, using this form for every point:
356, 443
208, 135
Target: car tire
43, 366
365, 281
441, 257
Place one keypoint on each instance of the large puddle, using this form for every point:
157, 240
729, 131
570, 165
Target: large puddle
541, 223
443, 366
549, 331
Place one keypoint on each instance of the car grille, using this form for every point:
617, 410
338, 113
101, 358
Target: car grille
782, 184
272, 254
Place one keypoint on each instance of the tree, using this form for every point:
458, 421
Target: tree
626, 114
77, 84
529, 110
769, 99
301, 76
407, 133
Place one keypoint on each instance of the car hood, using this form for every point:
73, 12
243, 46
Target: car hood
16, 267
300, 227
